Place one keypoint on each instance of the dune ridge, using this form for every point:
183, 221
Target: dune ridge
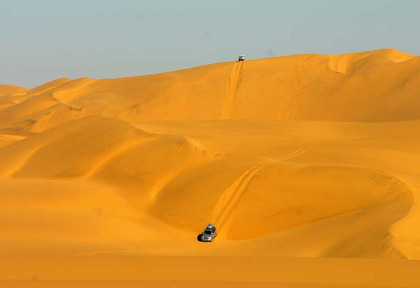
368, 86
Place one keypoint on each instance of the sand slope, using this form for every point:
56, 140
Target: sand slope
379, 85
11, 95
132, 169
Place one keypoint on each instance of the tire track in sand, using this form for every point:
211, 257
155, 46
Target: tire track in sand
233, 195
230, 100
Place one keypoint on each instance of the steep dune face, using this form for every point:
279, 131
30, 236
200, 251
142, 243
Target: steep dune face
295, 196
298, 199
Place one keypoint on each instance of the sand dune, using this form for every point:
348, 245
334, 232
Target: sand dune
297, 160
11, 95
10, 89
379, 85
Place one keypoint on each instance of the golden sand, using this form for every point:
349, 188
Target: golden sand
308, 165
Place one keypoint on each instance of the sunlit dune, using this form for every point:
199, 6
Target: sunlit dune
308, 165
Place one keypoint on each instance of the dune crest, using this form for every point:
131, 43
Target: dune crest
348, 63
9, 89
367, 86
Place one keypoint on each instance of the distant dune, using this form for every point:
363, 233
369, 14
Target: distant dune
297, 160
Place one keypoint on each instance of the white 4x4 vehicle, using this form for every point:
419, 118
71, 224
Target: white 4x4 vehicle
241, 58
209, 234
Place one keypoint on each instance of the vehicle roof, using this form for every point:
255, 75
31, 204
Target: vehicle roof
210, 226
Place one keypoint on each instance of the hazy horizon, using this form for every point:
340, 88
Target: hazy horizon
45, 40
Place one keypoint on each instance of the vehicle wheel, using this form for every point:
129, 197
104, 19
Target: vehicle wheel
199, 237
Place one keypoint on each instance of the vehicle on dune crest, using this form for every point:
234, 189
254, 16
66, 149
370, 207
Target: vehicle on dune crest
241, 58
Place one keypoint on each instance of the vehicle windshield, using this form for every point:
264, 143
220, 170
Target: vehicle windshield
207, 232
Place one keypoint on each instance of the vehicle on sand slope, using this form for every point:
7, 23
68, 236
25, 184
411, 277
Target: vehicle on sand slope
209, 234
241, 58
